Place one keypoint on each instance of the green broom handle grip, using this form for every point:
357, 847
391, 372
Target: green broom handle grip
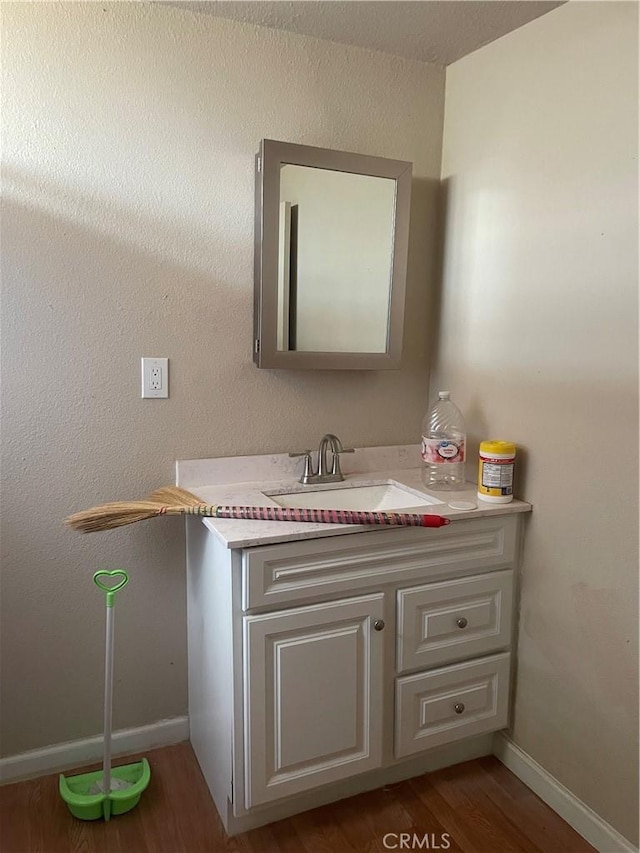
111, 590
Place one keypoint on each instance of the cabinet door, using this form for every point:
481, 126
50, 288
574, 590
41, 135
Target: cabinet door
313, 696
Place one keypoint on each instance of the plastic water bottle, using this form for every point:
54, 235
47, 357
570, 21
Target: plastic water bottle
443, 445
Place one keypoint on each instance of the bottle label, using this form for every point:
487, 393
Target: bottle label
495, 477
439, 450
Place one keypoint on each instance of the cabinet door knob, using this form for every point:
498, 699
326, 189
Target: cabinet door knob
378, 624
461, 622
458, 707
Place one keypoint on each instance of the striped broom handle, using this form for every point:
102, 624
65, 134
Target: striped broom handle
314, 516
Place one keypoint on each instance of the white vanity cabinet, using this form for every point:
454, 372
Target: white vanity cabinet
323, 667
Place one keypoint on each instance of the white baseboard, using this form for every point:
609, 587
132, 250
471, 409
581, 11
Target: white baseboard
76, 753
584, 820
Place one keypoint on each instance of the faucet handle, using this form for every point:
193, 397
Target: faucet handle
308, 465
335, 467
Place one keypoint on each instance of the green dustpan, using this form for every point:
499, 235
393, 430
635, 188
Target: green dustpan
76, 791
110, 791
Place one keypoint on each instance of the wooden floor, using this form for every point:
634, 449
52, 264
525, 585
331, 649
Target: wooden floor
475, 807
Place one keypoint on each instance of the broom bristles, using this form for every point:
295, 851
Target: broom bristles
174, 496
167, 499
112, 515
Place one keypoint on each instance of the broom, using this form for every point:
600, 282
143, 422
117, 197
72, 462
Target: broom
172, 500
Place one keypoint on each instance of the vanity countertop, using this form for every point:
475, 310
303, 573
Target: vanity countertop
243, 481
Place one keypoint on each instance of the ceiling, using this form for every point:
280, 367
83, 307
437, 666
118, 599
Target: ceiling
439, 31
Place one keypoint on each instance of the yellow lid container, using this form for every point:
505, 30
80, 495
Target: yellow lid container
495, 471
498, 448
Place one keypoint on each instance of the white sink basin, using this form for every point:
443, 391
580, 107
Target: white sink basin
385, 497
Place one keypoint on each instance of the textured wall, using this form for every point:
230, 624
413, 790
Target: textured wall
538, 344
129, 137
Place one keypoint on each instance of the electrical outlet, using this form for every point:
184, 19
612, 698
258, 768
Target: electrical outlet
155, 381
155, 377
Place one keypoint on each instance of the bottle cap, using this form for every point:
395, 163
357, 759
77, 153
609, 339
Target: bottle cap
463, 504
498, 448
444, 395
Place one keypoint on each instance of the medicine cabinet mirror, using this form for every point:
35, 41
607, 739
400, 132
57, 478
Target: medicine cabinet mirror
331, 236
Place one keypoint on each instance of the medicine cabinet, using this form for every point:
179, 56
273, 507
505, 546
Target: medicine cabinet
331, 237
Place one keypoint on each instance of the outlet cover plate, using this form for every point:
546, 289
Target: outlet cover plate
155, 378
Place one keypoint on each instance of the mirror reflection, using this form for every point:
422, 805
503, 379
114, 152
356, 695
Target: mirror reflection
335, 260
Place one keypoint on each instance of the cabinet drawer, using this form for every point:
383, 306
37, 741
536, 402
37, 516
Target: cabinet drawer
276, 575
451, 703
442, 622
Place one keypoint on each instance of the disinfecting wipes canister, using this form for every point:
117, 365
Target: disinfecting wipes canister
495, 471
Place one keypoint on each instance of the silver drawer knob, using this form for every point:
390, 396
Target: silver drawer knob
458, 707
461, 622
378, 624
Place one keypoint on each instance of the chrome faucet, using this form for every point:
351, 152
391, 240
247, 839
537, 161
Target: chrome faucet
322, 474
